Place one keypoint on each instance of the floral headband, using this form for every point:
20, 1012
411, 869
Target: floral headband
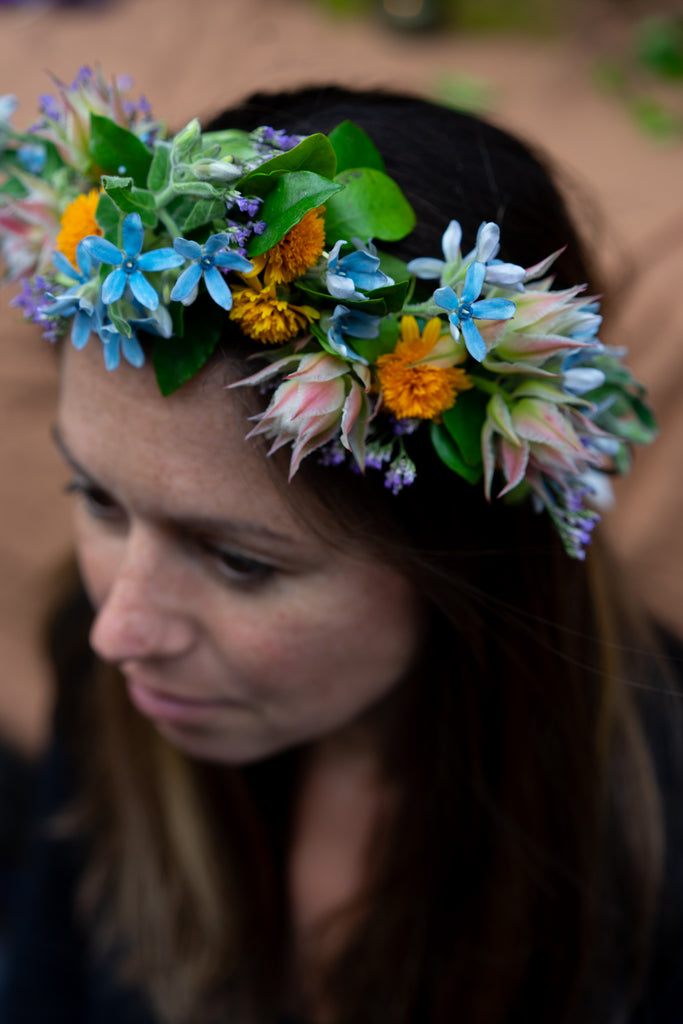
120, 231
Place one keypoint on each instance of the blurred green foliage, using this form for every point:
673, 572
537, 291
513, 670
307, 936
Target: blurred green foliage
468, 15
648, 76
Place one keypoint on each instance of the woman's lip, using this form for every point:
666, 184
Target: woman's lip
163, 706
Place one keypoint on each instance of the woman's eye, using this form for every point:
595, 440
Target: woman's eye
240, 568
97, 502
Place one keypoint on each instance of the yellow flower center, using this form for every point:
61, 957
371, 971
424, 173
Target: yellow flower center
261, 315
299, 250
78, 221
411, 387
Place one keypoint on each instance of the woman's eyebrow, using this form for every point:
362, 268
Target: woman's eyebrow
195, 524
65, 452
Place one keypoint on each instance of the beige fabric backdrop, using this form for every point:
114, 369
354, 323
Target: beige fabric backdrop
193, 58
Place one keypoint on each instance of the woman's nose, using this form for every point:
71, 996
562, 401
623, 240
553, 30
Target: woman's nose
142, 614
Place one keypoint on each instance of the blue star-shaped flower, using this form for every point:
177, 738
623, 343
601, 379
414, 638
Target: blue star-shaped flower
354, 323
130, 263
114, 343
464, 309
360, 269
75, 301
205, 261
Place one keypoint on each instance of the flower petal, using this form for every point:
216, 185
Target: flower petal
493, 309
110, 348
143, 291
102, 250
217, 288
132, 233
450, 243
114, 286
160, 259
216, 243
474, 279
233, 261
80, 331
487, 244
473, 340
132, 350
446, 298
187, 248
186, 283
426, 268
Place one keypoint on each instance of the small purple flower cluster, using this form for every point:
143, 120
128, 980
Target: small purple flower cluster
31, 300
238, 230
278, 139
400, 474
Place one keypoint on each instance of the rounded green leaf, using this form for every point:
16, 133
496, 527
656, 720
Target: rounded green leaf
370, 206
354, 148
294, 195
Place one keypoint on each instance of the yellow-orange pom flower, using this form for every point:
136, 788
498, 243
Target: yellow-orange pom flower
414, 383
78, 220
299, 250
263, 316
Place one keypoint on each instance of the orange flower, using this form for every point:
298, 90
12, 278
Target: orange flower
263, 316
299, 250
415, 384
78, 220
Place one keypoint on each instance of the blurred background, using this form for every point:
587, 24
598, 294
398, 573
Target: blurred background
596, 85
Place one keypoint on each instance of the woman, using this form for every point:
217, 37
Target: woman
351, 746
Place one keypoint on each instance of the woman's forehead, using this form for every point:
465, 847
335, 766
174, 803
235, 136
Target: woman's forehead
187, 449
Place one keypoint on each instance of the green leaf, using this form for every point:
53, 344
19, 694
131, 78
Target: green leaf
354, 148
314, 154
177, 359
130, 199
160, 168
112, 147
200, 189
203, 211
115, 314
464, 422
13, 189
108, 216
371, 206
234, 142
447, 450
293, 196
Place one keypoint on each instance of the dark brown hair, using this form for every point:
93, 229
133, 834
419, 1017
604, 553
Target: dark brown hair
517, 877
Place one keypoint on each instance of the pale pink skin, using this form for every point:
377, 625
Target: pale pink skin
230, 666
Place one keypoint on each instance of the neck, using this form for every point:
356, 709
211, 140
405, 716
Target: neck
342, 800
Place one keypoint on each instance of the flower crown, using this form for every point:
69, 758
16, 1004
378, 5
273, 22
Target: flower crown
118, 230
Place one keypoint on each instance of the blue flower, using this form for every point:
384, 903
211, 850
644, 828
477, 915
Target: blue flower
463, 310
485, 250
114, 343
129, 263
32, 157
77, 300
356, 324
358, 270
426, 267
205, 262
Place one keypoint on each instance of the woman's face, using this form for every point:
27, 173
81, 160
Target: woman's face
239, 631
